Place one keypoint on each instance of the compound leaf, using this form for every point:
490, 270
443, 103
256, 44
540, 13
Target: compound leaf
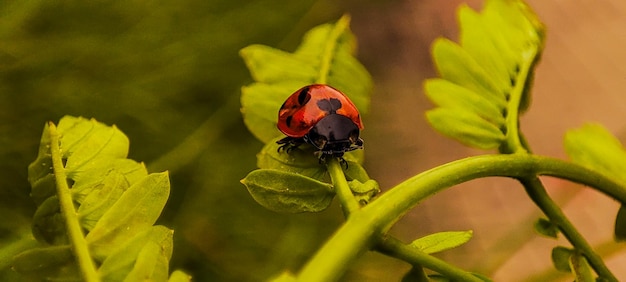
112, 199
487, 76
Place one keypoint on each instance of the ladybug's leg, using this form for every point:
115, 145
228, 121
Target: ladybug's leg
343, 162
324, 157
289, 143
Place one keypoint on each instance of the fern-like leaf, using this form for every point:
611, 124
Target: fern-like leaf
486, 78
96, 209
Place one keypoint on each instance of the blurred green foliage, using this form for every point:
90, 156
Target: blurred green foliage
158, 70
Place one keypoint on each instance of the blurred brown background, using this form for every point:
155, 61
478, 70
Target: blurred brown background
164, 72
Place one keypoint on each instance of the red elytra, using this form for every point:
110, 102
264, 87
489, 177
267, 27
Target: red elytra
323, 117
302, 110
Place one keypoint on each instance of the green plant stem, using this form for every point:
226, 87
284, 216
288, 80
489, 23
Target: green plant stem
366, 227
396, 248
348, 203
538, 194
390, 245
75, 233
514, 143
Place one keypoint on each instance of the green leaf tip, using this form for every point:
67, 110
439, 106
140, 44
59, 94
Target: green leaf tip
326, 55
96, 209
486, 77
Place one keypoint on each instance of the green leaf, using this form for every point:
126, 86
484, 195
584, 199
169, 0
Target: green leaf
442, 241
49, 224
288, 192
467, 127
179, 276
102, 193
47, 263
561, 257
303, 160
325, 56
85, 145
137, 209
594, 147
456, 65
355, 170
88, 144
546, 228
144, 256
485, 80
446, 94
364, 192
620, 224
581, 269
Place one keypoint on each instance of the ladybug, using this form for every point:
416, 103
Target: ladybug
323, 117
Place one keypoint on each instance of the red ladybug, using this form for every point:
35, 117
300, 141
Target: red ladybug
323, 117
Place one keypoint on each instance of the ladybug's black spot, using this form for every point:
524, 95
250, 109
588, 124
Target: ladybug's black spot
304, 96
329, 105
288, 121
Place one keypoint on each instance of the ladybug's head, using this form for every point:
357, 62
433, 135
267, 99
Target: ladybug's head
334, 135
